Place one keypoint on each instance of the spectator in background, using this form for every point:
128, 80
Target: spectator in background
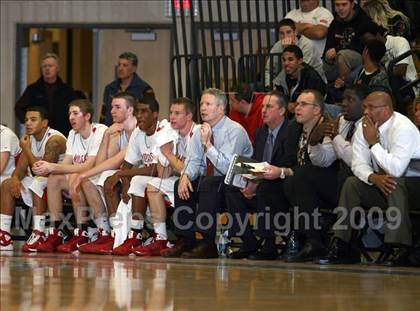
344, 46
395, 22
246, 106
127, 81
289, 36
312, 21
297, 76
49, 92
416, 108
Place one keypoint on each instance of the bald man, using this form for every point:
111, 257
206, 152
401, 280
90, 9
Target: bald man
385, 147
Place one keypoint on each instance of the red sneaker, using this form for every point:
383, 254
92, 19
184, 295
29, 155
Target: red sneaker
6, 243
79, 237
55, 238
102, 245
37, 238
125, 249
152, 249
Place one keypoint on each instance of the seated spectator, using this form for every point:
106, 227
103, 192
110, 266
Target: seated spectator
372, 74
127, 81
82, 147
39, 143
9, 152
289, 36
109, 159
269, 146
312, 21
395, 22
211, 151
344, 46
384, 146
296, 76
404, 71
49, 92
161, 188
245, 107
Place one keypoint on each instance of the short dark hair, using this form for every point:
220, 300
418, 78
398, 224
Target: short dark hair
376, 50
319, 99
129, 98
282, 99
43, 112
186, 102
243, 91
287, 22
131, 57
371, 27
361, 90
295, 50
151, 102
84, 105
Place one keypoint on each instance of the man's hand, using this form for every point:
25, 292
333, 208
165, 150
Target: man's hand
25, 142
288, 41
184, 187
272, 172
385, 183
113, 180
205, 135
42, 168
330, 55
15, 187
370, 130
318, 133
331, 128
339, 83
250, 190
291, 107
115, 128
74, 186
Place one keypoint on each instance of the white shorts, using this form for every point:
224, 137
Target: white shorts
166, 186
3, 178
138, 185
37, 185
103, 177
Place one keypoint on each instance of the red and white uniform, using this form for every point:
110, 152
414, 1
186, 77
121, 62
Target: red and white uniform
141, 151
166, 185
9, 142
37, 184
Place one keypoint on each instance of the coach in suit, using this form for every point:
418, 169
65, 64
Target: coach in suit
261, 197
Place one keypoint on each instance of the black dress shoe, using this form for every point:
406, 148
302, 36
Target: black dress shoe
309, 252
339, 252
264, 255
202, 250
398, 257
240, 254
293, 247
180, 247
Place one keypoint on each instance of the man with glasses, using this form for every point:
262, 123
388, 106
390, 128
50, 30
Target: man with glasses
385, 146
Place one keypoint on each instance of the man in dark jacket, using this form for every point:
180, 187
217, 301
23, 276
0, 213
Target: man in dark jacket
344, 45
49, 92
127, 81
297, 76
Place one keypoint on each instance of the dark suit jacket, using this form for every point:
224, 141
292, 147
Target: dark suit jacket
260, 137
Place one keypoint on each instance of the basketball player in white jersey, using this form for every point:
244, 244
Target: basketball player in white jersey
39, 143
82, 147
160, 191
140, 151
9, 152
109, 159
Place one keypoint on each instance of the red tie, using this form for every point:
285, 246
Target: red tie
210, 166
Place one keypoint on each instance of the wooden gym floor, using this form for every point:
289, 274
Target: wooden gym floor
90, 282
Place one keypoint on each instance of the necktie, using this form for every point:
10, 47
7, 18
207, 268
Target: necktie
209, 164
302, 148
350, 133
268, 149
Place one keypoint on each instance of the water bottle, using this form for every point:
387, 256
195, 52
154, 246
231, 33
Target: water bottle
223, 244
